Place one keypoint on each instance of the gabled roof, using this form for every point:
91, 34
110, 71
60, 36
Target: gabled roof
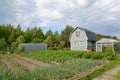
106, 40
90, 35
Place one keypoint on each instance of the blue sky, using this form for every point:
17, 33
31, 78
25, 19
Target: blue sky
100, 16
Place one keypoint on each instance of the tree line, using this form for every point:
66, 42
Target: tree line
11, 35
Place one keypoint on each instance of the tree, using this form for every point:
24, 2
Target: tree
18, 31
56, 36
48, 33
49, 41
14, 45
49, 38
27, 35
3, 44
66, 33
12, 37
40, 35
19, 40
99, 36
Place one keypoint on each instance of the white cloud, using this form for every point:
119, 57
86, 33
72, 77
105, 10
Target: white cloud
115, 9
91, 14
82, 3
103, 3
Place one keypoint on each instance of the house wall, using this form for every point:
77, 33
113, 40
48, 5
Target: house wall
78, 40
91, 44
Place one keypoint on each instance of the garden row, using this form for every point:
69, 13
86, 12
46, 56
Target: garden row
62, 56
63, 71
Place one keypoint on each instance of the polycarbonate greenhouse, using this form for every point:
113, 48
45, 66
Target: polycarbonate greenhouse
32, 46
105, 42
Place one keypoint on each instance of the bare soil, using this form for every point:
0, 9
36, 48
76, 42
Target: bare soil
33, 61
16, 62
27, 65
7, 62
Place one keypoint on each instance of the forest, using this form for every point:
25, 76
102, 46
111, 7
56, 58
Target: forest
13, 36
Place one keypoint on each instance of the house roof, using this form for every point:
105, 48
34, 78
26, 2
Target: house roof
90, 35
106, 40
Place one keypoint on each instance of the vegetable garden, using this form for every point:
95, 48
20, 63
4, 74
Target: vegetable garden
50, 64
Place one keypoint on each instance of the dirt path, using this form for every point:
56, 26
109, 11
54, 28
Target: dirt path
109, 75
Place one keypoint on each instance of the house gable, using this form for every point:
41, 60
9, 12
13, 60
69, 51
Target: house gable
91, 36
78, 40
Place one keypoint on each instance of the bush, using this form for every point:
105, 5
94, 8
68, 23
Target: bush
86, 55
53, 48
109, 56
96, 56
79, 55
3, 52
22, 48
107, 49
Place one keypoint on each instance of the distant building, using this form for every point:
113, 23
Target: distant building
82, 39
32, 46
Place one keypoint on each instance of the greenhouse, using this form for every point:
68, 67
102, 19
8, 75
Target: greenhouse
105, 42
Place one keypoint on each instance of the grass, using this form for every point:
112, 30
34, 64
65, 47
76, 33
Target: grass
99, 72
117, 77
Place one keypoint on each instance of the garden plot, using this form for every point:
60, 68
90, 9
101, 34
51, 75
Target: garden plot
33, 61
49, 67
11, 64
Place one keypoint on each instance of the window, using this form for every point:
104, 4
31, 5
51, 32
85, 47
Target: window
74, 43
80, 42
77, 33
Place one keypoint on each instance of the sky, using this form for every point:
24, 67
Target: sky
100, 16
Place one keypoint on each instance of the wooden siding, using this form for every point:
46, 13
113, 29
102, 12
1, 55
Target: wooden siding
78, 40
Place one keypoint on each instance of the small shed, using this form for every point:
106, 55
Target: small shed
104, 42
33, 46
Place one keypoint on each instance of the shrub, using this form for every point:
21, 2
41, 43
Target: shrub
53, 48
109, 56
107, 49
96, 56
86, 55
3, 52
22, 48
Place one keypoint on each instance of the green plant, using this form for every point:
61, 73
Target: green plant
109, 56
117, 77
63, 71
86, 55
107, 49
22, 48
101, 70
96, 56
3, 52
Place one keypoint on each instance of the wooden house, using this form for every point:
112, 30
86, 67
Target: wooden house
82, 39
